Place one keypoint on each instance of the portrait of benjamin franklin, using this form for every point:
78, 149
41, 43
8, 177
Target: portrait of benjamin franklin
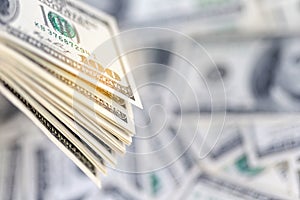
276, 82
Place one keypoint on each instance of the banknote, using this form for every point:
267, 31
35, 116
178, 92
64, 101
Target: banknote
203, 185
195, 16
228, 147
229, 157
266, 83
107, 109
104, 150
38, 176
212, 142
98, 146
241, 167
270, 140
85, 57
276, 177
46, 95
65, 143
108, 106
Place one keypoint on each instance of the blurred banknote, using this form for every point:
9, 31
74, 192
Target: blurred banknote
196, 16
255, 74
203, 185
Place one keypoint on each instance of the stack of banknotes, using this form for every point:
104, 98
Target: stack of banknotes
54, 69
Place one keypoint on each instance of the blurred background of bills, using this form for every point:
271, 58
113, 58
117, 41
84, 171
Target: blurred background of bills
177, 152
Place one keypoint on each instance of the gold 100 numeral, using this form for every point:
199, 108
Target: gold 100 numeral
99, 67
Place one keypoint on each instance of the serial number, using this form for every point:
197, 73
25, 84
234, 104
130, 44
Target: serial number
61, 38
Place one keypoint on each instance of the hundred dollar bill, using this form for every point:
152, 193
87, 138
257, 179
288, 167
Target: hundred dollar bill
90, 131
103, 106
98, 146
60, 90
266, 138
227, 147
70, 133
110, 107
39, 89
66, 142
74, 37
228, 156
212, 144
266, 82
203, 185
192, 16
270, 140
276, 177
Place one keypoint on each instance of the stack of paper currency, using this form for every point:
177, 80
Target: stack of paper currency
53, 69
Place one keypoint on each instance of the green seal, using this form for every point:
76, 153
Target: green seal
243, 167
155, 183
61, 25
